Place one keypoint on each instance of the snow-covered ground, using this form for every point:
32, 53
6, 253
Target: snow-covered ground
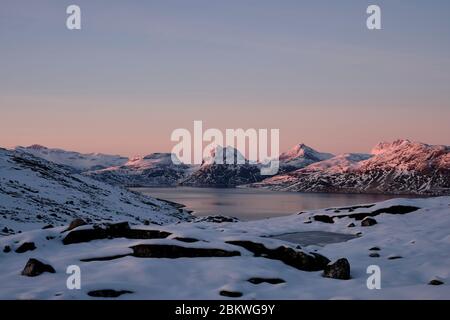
414, 249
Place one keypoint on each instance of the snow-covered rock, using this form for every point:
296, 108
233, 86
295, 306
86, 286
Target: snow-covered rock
301, 156
35, 192
156, 169
224, 174
78, 161
401, 167
203, 260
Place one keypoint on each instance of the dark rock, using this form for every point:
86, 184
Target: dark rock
7, 249
323, 218
375, 249
217, 219
231, 294
395, 257
263, 280
108, 293
297, 259
338, 270
49, 226
374, 255
351, 225
111, 231
174, 252
35, 268
26, 246
435, 282
76, 223
367, 222
186, 239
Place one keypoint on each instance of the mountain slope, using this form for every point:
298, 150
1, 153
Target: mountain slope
224, 175
400, 167
301, 156
78, 161
35, 192
156, 169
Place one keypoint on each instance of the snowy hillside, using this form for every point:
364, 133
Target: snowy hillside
78, 161
35, 193
156, 169
211, 174
401, 167
322, 254
301, 156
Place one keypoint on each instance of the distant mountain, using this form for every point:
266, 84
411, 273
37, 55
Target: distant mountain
400, 167
77, 161
35, 192
301, 156
156, 169
213, 174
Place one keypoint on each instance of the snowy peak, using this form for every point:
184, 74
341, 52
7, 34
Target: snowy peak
221, 154
405, 155
339, 164
78, 161
301, 156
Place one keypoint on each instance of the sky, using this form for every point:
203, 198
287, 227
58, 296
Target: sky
137, 70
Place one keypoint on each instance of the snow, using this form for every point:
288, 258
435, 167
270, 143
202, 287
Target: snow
78, 161
35, 192
421, 238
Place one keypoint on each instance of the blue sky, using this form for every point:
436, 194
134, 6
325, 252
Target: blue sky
139, 69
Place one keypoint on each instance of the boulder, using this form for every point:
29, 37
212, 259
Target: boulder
297, 259
323, 218
35, 268
231, 294
367, 222
26, 246
108, 293
76, 223
338, 270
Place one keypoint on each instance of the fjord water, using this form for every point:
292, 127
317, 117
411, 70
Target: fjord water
254, 204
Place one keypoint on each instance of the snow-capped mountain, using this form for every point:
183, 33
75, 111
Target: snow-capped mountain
156, 169
78, 161
35, 192
225, 175
400, 167
301, 156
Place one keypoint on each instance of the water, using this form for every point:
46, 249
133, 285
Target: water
253, 204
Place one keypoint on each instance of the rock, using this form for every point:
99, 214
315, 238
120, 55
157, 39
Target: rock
49, 226
374, 249
435, 282
35, 268
7, 249
263, 280
111, 231
186, 239
323, 218
374, 255
75, 224
297, 259
367, 222
108, 293
26, 246
395, 257
231, 294
338, 270
174, 252
351, 225
217, 219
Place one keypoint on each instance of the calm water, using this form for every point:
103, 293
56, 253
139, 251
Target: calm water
253, 204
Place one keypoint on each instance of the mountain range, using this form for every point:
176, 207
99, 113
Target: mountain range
399, 167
